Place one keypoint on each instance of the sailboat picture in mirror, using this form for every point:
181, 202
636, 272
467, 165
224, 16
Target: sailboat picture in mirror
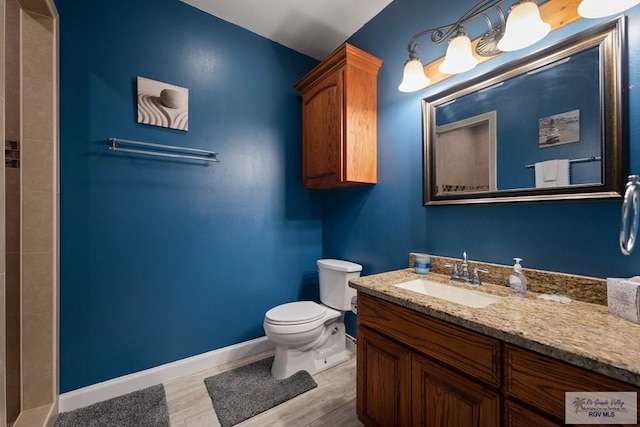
482, 139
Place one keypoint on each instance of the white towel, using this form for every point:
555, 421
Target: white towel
552, 173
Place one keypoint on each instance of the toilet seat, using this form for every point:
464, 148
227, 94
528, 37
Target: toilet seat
295, 313
298, 317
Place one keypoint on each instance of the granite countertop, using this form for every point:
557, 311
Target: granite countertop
579, 333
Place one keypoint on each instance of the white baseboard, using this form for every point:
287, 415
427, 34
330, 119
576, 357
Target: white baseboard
351, 344
160, 374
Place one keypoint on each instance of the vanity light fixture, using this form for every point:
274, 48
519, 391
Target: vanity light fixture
523, 16
414, 77
459, 57
600, 8
524, 27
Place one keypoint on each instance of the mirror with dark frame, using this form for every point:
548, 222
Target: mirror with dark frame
548, 127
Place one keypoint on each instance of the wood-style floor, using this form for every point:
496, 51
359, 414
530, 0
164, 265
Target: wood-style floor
332, 403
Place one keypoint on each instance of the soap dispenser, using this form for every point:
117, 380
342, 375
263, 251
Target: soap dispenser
517, 279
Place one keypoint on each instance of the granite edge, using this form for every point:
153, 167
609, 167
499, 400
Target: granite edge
623, 373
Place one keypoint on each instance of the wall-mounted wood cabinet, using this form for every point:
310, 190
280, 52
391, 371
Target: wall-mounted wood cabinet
339, 120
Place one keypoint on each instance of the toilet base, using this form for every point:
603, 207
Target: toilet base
332, 352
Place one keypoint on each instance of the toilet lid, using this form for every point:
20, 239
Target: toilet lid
296, 313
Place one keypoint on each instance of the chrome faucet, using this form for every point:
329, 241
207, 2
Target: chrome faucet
465, 266
473, 279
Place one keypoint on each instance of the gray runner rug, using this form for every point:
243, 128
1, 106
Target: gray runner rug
249, 390
142, 408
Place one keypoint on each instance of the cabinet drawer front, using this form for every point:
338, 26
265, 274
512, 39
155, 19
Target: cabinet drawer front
467, 351
517, 416
542, 381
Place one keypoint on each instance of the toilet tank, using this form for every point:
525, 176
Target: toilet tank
334, 275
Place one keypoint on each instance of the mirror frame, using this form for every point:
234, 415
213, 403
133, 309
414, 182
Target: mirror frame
610, 38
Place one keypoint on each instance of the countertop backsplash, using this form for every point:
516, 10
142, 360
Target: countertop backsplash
580, 288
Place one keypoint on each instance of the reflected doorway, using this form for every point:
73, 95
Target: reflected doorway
465, 155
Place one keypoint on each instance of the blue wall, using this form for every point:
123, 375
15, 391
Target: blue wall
165, 259
380, 225
161, 260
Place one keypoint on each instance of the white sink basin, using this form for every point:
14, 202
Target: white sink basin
455, 294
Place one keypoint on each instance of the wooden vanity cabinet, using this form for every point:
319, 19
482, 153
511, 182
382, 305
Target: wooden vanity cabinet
414, 370
540, 382
339, 120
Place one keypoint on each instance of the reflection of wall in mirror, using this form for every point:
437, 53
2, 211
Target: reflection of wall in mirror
519, 104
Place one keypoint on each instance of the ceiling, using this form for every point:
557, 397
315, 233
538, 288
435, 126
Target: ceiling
312, 27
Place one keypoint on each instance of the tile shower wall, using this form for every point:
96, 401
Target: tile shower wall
12, 208
3, 289
29, 214
38, 210
468, 149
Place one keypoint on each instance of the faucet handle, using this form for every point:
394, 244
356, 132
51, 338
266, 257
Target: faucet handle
454, 272
475, 277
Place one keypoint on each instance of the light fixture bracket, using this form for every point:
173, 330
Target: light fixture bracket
444, 32
488, 43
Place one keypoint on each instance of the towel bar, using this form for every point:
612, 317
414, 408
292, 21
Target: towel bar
581, 160
161, 150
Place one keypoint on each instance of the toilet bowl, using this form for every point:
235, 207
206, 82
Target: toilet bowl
311, 336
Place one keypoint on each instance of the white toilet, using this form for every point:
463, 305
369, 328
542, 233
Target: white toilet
311, 336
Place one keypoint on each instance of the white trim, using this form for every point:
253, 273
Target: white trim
351, 344
160, 374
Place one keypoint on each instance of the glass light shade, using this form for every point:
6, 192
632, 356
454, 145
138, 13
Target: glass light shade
524, 27
601, 8
459, 57
413, 78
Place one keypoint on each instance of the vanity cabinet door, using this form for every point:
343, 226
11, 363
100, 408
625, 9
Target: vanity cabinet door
443, 398
383, 381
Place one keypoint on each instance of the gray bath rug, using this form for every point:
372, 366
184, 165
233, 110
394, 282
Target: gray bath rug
142, 408
249, 390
